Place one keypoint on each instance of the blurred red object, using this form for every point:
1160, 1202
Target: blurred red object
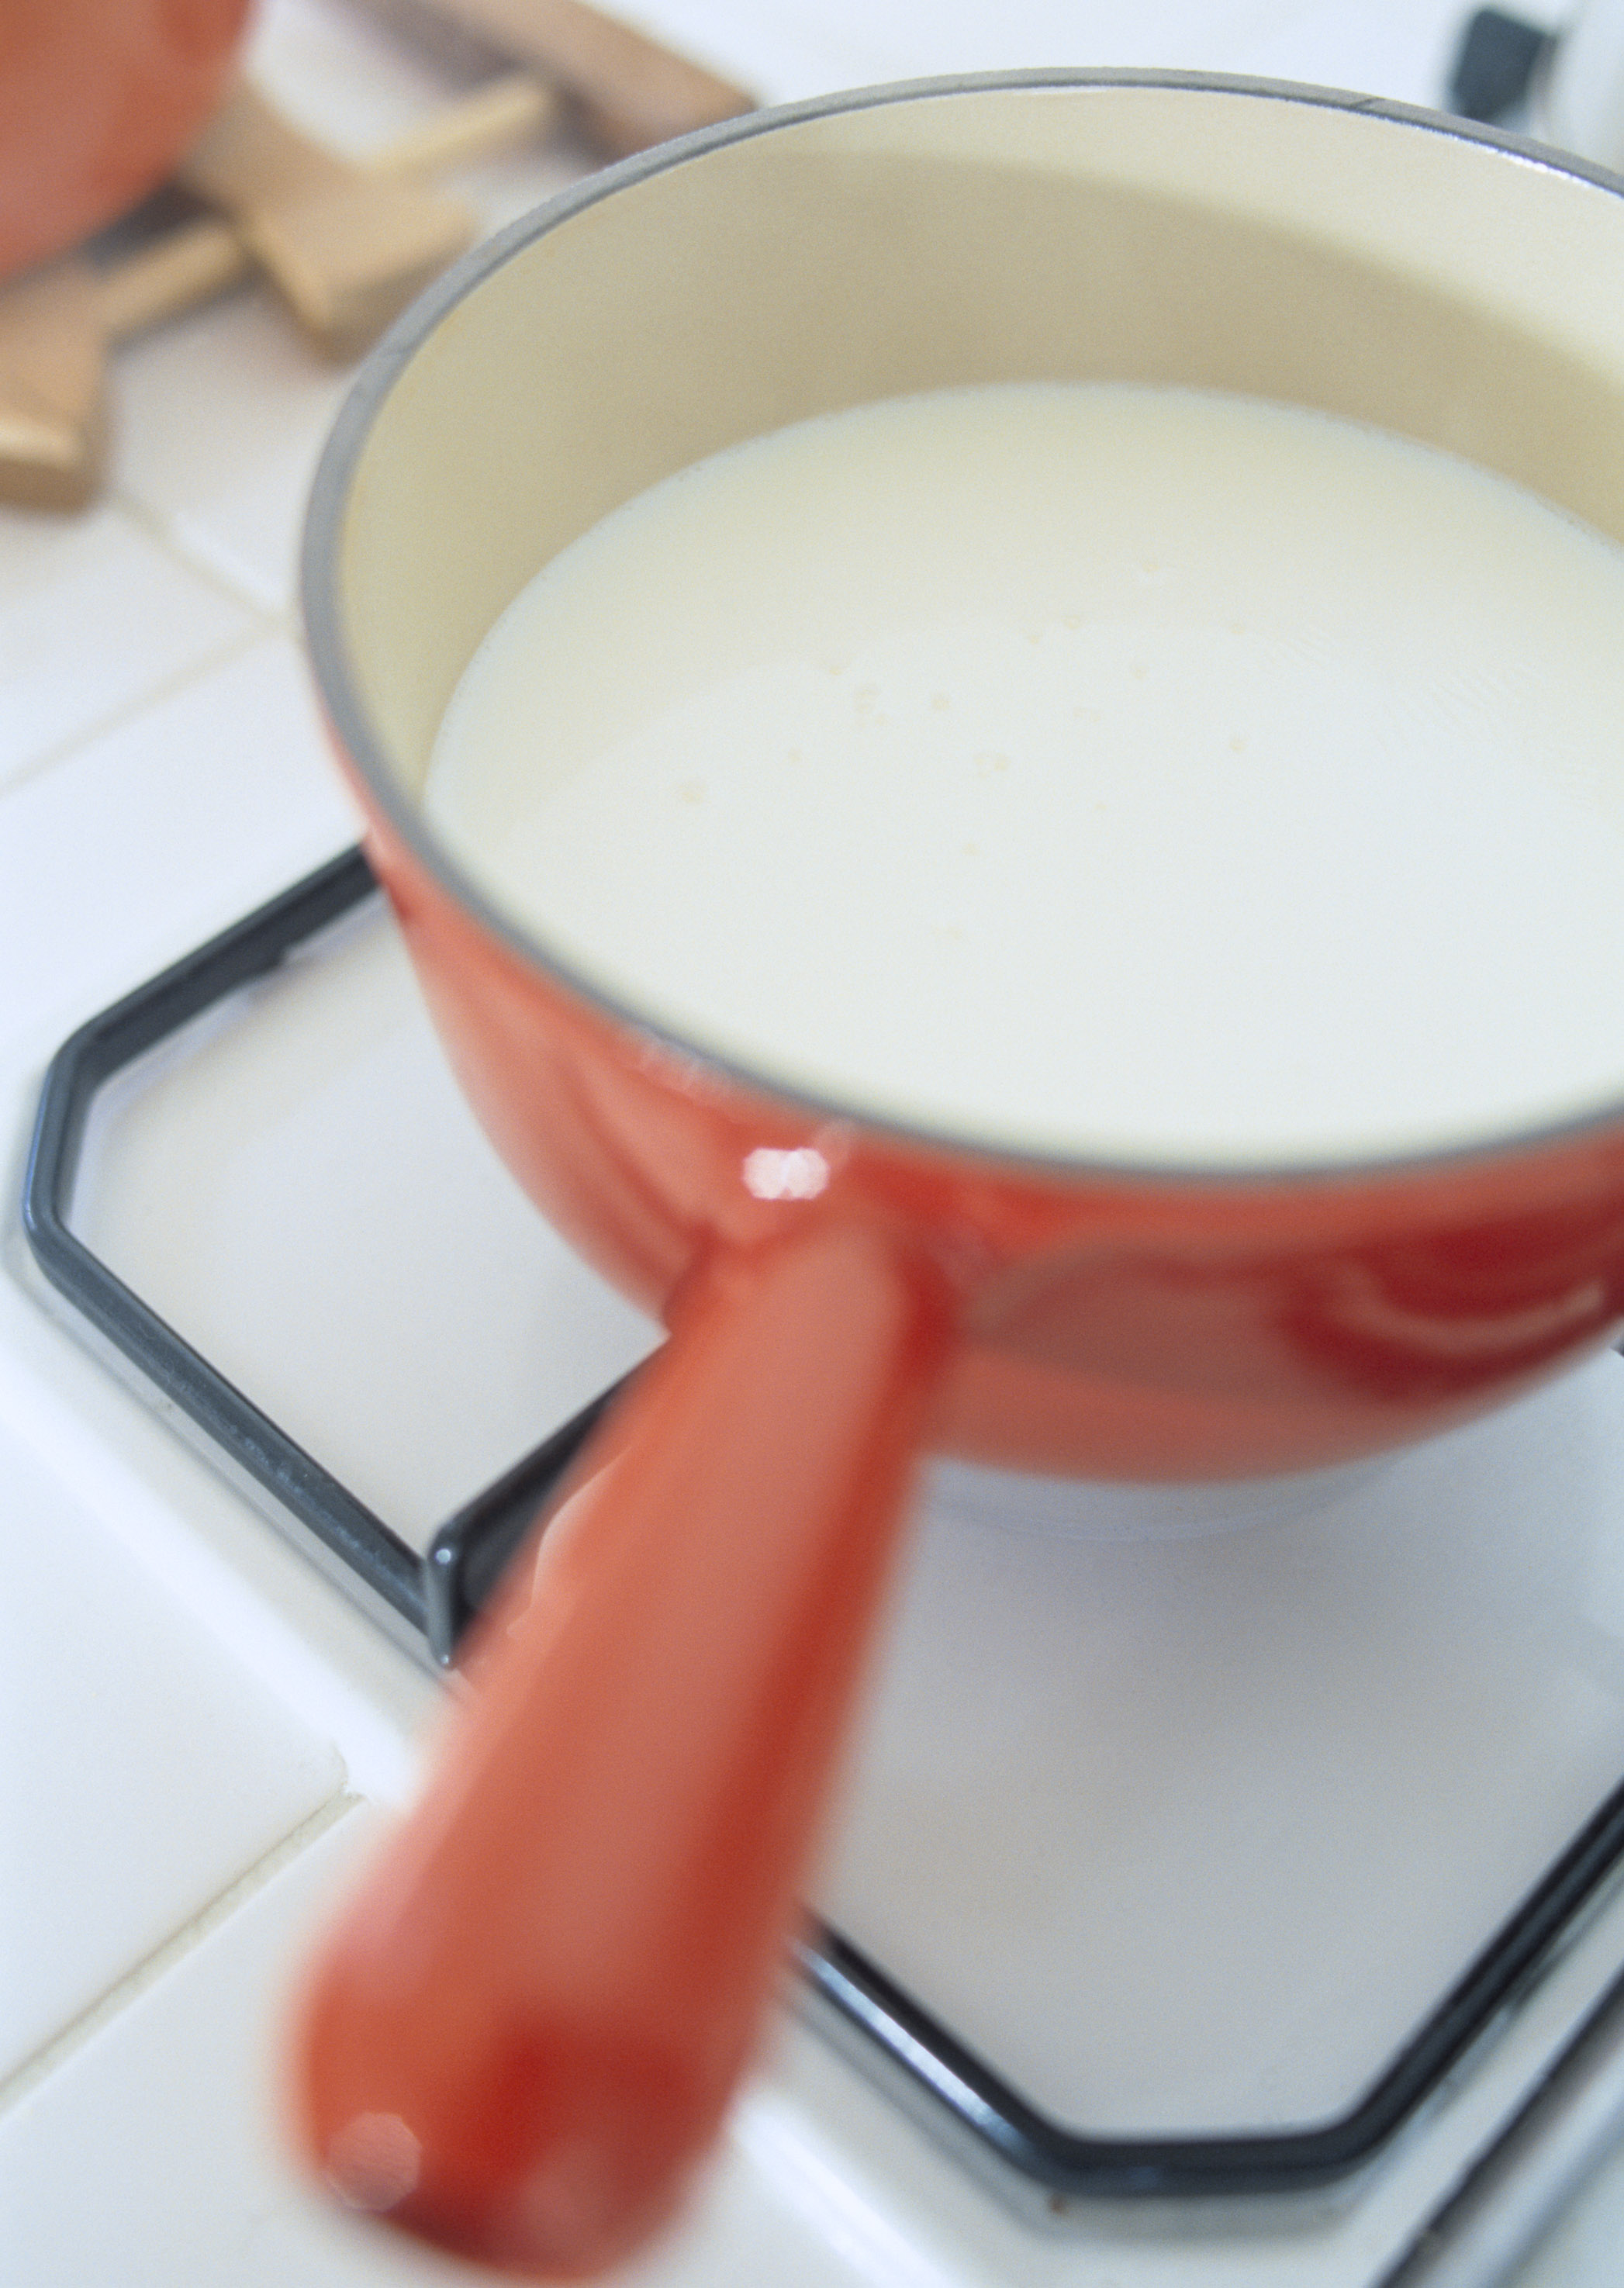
98, 100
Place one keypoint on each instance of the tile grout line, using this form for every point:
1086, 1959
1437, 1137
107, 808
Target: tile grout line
34, 2069
198, 670
161, 528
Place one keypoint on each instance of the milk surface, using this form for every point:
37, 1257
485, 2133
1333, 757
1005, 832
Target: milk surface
1084, 769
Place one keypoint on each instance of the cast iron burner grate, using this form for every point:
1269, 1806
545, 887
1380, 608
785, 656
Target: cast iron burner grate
948, 2088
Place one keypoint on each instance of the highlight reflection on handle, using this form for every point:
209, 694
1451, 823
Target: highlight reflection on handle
525, 2032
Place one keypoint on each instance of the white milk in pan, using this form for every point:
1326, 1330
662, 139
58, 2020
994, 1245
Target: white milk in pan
1088, 769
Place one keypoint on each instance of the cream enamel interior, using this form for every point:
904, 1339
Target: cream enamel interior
1334, 256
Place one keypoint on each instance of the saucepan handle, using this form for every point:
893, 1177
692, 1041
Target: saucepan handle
526, 2030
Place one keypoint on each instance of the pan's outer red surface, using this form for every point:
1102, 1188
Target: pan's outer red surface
524, 2033
99, 98
1114, 1327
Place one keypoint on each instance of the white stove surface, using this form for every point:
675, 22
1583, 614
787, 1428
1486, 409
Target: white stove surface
200, 1730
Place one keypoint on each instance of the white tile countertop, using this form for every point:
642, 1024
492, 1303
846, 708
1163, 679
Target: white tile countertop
199, 1730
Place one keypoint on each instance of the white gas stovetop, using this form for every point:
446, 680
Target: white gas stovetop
1185, 1833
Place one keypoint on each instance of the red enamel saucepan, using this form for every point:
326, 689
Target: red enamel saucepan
529, 2024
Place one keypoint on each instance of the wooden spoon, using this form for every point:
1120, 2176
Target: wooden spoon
348, 248
57, 326
629, 91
